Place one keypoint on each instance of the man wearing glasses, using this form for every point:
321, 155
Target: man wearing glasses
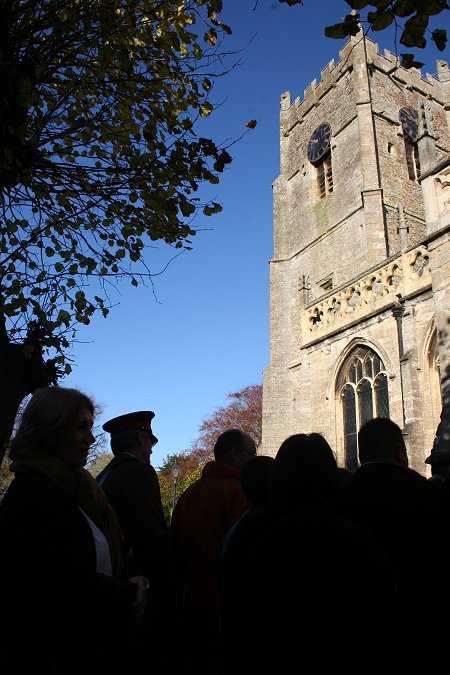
132, 488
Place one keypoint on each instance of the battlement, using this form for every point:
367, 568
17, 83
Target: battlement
351, 56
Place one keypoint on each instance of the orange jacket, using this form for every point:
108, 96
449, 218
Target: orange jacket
202, 517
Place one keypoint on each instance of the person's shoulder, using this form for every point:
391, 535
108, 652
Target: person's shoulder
372, 470
33, 498
222, 471
136, 470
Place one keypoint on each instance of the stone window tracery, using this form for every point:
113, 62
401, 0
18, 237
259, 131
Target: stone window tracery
363, 394
434, 375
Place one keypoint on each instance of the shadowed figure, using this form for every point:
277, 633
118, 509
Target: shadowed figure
201, 518
256, 481
439, 460
292, 574
132, 488
410, 517
66, 605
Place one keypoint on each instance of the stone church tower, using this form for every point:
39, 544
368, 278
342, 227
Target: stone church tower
360, 276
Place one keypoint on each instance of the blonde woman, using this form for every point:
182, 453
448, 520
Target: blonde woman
67, 607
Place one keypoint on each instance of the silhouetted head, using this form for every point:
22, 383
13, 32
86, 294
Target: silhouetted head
132, 433
305, 470
234, 447
256, 479
381, 440
51, 415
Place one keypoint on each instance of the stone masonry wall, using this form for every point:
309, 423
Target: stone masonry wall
374, 214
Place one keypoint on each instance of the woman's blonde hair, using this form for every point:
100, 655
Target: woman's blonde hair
49, 415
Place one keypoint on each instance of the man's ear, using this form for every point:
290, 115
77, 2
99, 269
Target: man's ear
400, 454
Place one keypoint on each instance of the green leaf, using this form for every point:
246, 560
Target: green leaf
380, 20
350, 26
63, 317
206, 109
357, 4
403, 8
407, 61
439, 38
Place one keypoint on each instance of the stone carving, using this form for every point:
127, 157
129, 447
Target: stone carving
408, 273
420, 262
317, 317
376, 285
354, 298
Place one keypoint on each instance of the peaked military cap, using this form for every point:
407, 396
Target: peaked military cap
139, 421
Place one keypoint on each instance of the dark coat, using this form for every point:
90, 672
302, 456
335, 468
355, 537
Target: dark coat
292, 576
202, 517
410, 517
132, 489
61, 616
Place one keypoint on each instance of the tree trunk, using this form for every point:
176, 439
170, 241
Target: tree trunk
21, 372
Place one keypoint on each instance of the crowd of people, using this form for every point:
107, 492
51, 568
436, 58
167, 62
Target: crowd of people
269, 565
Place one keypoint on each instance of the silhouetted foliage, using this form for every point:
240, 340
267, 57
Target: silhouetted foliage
99, 105
411, 19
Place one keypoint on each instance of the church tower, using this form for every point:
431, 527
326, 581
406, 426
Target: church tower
359, 279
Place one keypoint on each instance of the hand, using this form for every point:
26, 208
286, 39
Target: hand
140, 587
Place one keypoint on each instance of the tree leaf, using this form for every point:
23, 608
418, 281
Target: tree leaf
439, 37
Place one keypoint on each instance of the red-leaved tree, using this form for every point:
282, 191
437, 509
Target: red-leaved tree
244, 411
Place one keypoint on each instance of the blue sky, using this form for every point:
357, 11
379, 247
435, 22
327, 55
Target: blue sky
206, 333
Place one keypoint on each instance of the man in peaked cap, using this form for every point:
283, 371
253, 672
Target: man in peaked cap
132, 488
135, 421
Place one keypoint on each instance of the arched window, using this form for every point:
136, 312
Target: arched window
434, 371
363, 394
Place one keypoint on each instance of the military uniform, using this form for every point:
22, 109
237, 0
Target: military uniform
132, 489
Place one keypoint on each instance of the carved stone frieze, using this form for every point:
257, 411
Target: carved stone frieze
405, 276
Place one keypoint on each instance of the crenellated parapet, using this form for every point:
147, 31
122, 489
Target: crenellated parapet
351, 55
402, 277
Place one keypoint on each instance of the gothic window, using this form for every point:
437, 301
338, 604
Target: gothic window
434, 372
363, 394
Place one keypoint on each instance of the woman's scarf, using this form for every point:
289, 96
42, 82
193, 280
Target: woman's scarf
82, 487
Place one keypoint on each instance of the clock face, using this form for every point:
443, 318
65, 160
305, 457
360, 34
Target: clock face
410, 122
319, 143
